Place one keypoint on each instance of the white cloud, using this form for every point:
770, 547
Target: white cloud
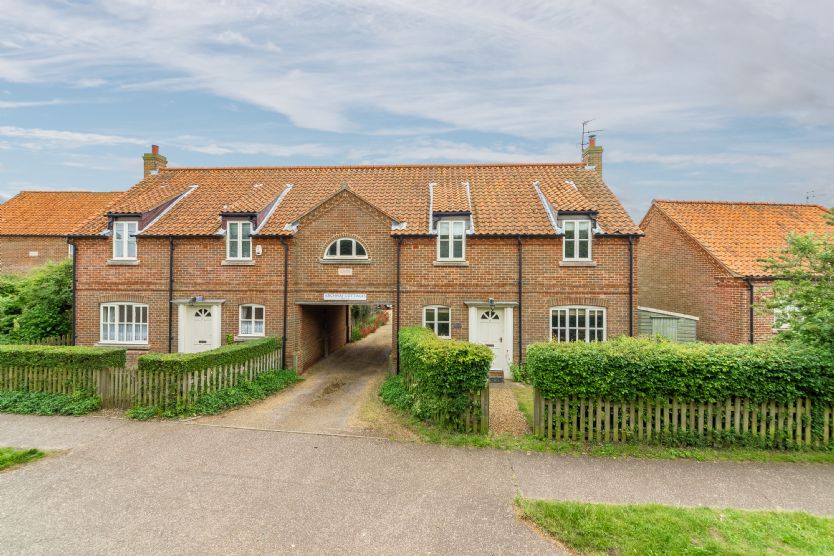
36, 138
29, 103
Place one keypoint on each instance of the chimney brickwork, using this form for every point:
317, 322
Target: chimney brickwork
154, 162
592, 155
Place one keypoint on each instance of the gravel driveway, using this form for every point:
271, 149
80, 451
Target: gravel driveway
329, 397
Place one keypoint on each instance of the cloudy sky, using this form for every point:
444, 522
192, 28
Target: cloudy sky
697, 99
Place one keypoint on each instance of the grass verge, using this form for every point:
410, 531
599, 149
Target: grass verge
390, 419
9, 457
212, 403
44, 403
655, 529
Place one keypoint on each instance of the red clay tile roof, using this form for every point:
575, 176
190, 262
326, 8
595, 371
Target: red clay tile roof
51, 213
504, 199
739, 234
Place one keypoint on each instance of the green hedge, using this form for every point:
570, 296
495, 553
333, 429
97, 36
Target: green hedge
442, 374
627, 368
231, 354
64, 357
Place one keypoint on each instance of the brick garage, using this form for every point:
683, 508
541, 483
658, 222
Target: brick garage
189, 221
35, 225
704, 259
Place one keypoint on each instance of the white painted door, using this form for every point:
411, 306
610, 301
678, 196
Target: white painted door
202, 329
491, 333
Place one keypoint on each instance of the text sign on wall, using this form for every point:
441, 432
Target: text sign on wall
345, 297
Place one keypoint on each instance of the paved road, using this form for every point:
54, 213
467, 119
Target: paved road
329, 397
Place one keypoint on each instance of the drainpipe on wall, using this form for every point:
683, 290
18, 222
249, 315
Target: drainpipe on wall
170, 294
286, 286
74, 292
751, 295
397, 322
631, 285
520, 318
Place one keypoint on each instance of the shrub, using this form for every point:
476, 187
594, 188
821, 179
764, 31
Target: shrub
442, 374
64, 357
44, 403
627, 368
232, 354
394, 392
37, 305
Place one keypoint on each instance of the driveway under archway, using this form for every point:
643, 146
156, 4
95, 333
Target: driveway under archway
330, 396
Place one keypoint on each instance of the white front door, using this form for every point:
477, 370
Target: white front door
491, 333
199, 328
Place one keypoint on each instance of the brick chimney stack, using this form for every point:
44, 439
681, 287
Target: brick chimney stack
592, 155
154, 162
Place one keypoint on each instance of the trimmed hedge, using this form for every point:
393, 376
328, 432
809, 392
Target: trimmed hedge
625, 368
230, 354
442, 374
63, 357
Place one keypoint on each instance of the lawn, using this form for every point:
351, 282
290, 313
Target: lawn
392, 422
9, 457
655, 529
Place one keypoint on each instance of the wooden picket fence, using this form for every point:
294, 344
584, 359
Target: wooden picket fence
599, 420
125, 387
477, 418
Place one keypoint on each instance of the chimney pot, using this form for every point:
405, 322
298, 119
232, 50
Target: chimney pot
592, 140
155, 148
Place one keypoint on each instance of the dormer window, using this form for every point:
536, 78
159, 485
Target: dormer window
124, 239
451, 240
239, 240
346, 249
576, 245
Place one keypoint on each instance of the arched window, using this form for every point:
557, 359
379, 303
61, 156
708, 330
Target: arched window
345, 248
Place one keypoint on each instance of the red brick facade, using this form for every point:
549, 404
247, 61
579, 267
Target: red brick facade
19, 254
677, 274
491, 271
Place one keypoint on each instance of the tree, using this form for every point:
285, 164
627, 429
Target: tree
803, 296
37, 305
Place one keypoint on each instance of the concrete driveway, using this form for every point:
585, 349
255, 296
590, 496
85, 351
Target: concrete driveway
328, 399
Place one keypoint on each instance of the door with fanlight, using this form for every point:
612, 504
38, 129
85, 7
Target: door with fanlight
201, 329
491, 334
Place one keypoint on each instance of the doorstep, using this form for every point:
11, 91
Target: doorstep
496, 376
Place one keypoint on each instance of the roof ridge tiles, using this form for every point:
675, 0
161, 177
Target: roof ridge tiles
765, 203
377, 166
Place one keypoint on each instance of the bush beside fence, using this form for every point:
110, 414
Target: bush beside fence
447, 379
683, 394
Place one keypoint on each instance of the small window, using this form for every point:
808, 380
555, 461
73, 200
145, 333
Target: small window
239, 240
577, 324
451, 242
124, 323
124, 239
438, 319
345, 248
251, 320
576, 245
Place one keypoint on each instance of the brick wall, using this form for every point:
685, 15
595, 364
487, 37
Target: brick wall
19, 254
676, 274
492, 272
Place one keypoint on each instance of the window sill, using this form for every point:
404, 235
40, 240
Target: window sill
232, 262
248, 337
122, 262
578, 263
451, 263
344, 261
129, 347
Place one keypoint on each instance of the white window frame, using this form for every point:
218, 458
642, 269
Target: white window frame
122, 227
252, 321
352, 256
240, 241
436, 320
576, 241
137, 327
587, 327
451, 239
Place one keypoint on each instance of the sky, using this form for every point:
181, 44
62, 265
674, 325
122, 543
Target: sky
697, 99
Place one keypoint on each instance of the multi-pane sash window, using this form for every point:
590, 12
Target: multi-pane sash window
251, 320
345, 248
124, 323
450, 240
438, 319
239, 240
572, 324
124, 239
577, 240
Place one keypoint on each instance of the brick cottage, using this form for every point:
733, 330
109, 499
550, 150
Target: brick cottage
704, 259
501, 254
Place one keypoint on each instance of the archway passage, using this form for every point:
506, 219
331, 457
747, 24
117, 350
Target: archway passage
324, 330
